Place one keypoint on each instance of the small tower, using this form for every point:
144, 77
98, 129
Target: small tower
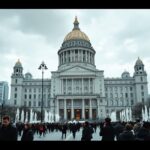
16, 84
140, 76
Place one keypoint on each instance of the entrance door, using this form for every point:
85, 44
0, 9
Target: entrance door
86, 113
69, 114
77, 114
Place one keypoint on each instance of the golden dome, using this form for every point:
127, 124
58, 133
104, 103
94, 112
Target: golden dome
18, 63
76, 33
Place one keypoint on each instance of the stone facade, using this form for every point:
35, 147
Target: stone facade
77, 89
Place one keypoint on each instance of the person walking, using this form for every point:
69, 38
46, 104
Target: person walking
87, 132
27, 133
8, 132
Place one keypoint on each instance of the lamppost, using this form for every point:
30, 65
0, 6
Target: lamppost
42, 67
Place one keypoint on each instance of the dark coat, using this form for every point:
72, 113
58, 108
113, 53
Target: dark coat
8, 133
87, 133
126, 136
107, 132
143, 134
118, 129
27, 135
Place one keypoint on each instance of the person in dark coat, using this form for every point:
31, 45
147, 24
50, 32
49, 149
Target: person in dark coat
119, 128
8, 132
107, 131
87, 132
27, 133
64, 130
74, 130
127, 134
144, 132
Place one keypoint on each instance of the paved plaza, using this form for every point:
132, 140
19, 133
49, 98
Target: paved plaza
56, 136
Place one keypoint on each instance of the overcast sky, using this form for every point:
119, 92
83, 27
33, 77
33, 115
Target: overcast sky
118, 37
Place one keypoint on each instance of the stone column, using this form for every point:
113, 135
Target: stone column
83, 109
62, 88
57, 107
89, 85
90, 109
70, 55
65, 109
66, 87
72, 109
72, 86
98, 108
63, 58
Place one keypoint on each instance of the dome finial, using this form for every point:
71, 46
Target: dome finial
76, 24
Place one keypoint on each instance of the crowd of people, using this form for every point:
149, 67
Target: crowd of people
108, 131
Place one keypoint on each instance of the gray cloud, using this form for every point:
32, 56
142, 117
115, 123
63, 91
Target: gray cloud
118, 36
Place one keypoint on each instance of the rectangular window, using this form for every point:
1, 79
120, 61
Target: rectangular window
142, 100
34, 90
132, 102
126, 95
25, 96
142, 87
16, 89
15, 95
29, 90
34, 104
142, 93
130, 88
16, 81
141, 78
15, 102
25, 90
39, 103
29, 103
34, 96
25, 103
30, 96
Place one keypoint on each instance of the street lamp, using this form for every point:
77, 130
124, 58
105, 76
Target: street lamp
42, 67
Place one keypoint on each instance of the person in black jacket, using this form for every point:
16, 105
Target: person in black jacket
144, 132
127, 134
8, 132
27, 133
107, 131
87, 132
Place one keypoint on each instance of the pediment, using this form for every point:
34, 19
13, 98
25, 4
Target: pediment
77, 70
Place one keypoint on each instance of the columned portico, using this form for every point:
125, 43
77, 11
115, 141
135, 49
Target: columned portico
83, 109
78, 107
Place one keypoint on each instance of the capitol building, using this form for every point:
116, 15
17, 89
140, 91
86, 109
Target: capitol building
77, 89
